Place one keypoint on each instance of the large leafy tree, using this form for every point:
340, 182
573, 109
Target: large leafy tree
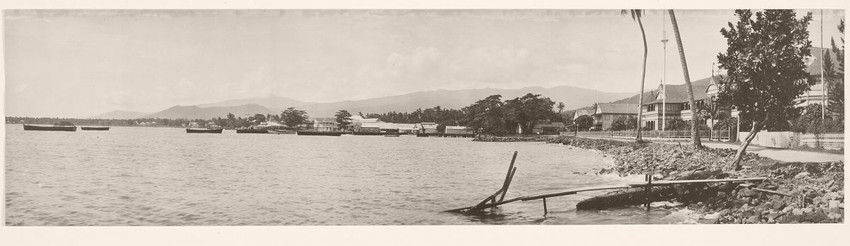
765, 67
293, 117
636, 15
528, 109
694, 114
584, 122
343, 118
486, 115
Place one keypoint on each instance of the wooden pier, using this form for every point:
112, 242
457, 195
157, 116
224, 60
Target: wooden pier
491, 202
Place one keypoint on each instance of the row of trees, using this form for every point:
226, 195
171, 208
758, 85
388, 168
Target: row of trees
492, 116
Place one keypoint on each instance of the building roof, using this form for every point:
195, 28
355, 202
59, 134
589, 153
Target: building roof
813, 63
616, 108
358, 118
580, 112
456, 128
679, 93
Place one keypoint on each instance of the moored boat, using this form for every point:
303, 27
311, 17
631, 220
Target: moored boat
252, 130
94, 128
61, 126
203, 130
318, 133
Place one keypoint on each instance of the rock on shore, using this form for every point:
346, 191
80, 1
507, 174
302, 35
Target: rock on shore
805, 192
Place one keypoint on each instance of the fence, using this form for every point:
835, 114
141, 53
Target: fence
714, 134
796, 139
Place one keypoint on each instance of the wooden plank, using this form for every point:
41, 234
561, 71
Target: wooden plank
508, 184
482, 203
510, 169
674, 182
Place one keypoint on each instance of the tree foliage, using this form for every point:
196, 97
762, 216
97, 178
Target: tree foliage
584, 122
835, 76
765, 68
486, 115
292, 117
527, 110
343, 118
624, 123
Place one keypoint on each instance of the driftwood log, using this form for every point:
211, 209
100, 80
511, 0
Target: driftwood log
681, 192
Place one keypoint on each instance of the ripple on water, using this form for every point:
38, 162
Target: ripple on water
162, 176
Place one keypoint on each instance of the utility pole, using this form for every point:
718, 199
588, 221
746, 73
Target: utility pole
664, 74
823, 81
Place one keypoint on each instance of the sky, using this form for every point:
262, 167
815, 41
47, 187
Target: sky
81, 63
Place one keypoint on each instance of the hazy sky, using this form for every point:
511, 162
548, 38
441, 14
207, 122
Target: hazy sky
84, 63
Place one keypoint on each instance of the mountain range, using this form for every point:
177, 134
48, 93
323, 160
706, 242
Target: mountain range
572, 97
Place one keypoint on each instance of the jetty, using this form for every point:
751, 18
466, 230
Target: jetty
636, 193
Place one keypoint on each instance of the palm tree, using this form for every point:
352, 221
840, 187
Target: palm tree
694, 115
636, 14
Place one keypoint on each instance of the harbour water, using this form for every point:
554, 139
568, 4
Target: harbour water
163, 176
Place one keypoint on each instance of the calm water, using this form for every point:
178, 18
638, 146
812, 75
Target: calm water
163, 176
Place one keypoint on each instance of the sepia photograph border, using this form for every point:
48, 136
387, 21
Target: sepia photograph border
807, 234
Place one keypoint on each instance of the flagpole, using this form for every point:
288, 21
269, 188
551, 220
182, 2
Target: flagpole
664, 74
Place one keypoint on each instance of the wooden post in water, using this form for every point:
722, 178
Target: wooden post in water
508, 176
545, 210
648, 191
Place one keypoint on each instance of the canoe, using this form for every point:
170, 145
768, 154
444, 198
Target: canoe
203, 130
94, 128
66, 128
314, 133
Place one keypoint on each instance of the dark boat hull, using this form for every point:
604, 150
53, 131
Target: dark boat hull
260, 131
50, 128
309, 133
204, 130
367, 133
94, 128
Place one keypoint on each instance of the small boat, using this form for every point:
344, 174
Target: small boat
318, 133
203, 130
61, 126
94, 128
273, 131
392, 135
252, 130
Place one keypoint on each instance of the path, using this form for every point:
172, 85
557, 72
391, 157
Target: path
786, 155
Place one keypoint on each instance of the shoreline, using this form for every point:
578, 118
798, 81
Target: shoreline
795, 192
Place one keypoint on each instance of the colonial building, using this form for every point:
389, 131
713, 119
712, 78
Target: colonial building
677, 104
606, 113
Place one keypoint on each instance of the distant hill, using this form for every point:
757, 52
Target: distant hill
572, 97
120, 115
195, 112
271, 102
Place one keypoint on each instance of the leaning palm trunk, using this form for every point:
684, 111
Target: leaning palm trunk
757, 126
694, 117
642, 80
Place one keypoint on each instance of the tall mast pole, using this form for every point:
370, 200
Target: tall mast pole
664, 74
823, 81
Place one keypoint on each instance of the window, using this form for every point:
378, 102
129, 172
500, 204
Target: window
650, 107
686, 106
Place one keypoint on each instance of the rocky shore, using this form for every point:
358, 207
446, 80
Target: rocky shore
795, 192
